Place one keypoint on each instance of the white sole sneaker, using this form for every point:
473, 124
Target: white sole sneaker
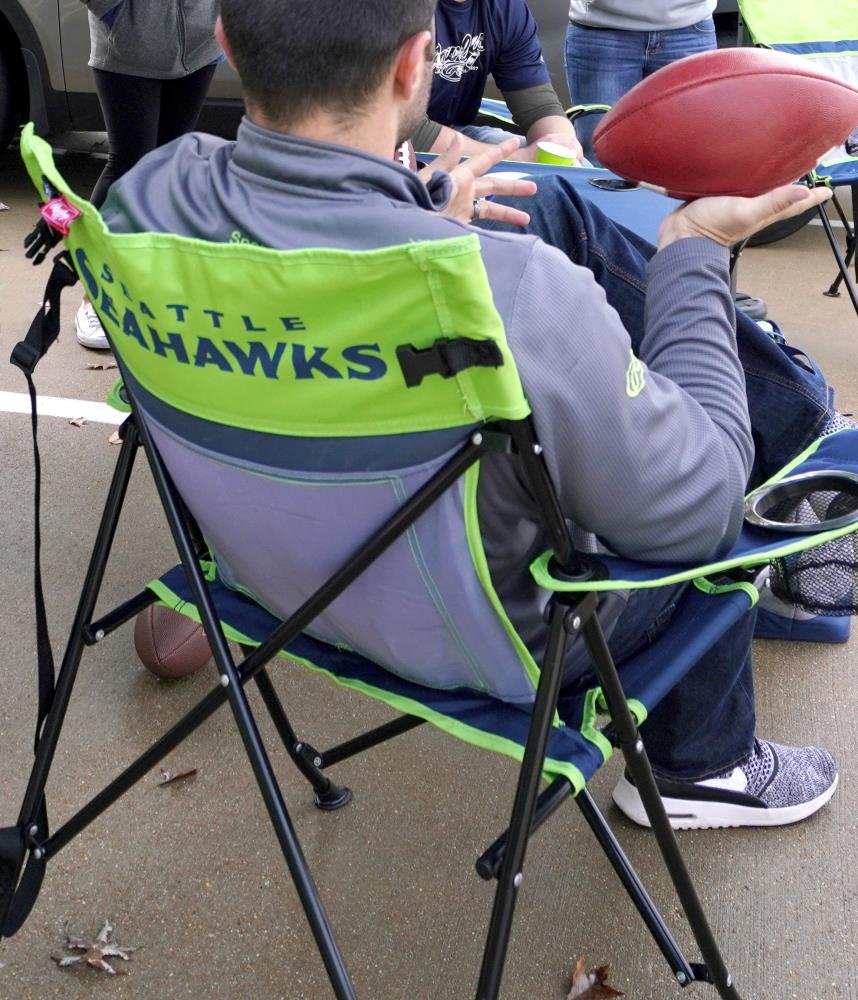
88, 328
711, 814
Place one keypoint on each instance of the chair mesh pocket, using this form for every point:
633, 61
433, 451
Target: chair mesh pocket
821, 580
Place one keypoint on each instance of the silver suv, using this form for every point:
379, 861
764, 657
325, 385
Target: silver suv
44, 48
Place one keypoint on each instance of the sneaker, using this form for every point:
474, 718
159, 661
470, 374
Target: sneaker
776, 619
90, 332
775, 786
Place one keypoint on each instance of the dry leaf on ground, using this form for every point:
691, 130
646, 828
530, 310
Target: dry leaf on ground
99, 366
591, 985
77, 421
3, 208
95, 953
168, 777
114, 438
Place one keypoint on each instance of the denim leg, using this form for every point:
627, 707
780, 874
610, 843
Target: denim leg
665, 47
601, 65
789, 402
706, 724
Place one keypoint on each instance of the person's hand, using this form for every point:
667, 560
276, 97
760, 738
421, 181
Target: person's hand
528, 153
470, 187
730, 220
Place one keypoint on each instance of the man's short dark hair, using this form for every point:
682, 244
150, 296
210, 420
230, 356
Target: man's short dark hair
298, 56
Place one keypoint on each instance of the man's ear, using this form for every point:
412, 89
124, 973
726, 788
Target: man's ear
409, 68
223, 41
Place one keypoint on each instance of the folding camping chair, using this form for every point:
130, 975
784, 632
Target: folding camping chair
368, 494
827, 33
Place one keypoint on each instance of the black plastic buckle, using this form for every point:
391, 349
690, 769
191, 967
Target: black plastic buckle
446, 358
24, 356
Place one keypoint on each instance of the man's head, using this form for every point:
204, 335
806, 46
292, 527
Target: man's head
298, 59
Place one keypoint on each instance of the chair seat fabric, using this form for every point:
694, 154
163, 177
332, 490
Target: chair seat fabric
576, 749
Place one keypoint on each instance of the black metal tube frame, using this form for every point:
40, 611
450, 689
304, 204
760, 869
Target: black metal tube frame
638, 764
842, 266
568, 616
851, 239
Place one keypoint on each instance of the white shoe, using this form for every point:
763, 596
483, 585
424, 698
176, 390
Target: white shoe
90, 332
775, 785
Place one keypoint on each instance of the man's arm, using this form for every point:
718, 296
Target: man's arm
537, 111
650, 454
431, 137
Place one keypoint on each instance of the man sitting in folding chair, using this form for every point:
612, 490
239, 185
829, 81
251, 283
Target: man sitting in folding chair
651, 453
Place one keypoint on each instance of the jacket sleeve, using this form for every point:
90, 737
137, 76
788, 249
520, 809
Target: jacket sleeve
651, 454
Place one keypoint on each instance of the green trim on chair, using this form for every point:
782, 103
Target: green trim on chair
592, 702
713, 589
481, 566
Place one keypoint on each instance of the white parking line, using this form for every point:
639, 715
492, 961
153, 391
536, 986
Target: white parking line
56, 406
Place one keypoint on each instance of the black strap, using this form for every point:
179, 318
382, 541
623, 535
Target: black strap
446, 358
43, 331
45, 327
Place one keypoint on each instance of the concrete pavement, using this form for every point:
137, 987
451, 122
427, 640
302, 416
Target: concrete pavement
191, 872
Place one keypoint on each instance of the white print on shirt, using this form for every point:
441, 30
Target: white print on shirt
453, 62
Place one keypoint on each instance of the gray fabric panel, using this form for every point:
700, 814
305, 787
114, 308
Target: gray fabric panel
419, 610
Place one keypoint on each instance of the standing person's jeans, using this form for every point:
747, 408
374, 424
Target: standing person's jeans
142, 114
602, 64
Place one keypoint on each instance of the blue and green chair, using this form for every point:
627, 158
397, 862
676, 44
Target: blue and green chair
317, 449
826, 33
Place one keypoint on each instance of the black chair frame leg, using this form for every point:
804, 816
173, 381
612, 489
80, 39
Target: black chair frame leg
851, 240
842, 263
31, 834
627, 736
503, 860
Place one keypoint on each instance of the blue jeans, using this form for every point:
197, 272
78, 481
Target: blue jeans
602, 64
706, 724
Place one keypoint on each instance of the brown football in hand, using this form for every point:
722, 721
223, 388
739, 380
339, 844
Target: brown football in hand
729, 122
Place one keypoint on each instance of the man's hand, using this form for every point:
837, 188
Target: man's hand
469, 184
528, 153
730, 220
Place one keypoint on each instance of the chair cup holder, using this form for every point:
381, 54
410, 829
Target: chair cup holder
809, 502
822, 579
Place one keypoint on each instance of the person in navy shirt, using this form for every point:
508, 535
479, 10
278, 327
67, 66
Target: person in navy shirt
473, 40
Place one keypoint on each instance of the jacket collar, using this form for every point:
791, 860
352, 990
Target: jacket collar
331, 171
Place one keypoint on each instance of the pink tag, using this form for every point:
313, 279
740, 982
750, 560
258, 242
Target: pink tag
60, 214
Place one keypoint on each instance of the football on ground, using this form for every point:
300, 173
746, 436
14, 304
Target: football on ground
169, 644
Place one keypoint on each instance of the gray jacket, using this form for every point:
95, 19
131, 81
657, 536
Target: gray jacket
640, 15
654, 465
160, 39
